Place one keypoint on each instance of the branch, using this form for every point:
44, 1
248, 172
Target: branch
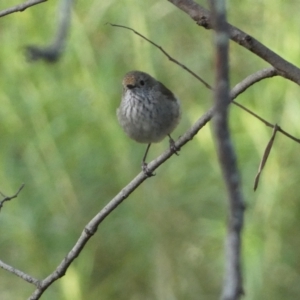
254, 78
166, 54
53, 52
20, 7
19, 273
8, 198
265, 157
203, 18
278, 128
233, 283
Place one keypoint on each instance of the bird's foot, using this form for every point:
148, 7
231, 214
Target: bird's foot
173, 147
146, 171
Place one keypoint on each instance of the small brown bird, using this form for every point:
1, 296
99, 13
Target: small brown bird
148, 111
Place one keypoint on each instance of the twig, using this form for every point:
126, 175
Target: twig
203, 18
8, 198
19, 273
166, 54
254, 78
278, 128
265, 157
53, 52
233, 283
20, 7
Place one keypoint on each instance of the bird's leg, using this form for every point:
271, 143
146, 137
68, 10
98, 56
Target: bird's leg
145, 165
173, 148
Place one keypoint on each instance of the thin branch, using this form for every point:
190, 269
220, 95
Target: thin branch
278, 128
166, 54
8, 198
19, 273
254, 78
20, 7
53, 52
233, 282
265, 157
203, 18
286, 133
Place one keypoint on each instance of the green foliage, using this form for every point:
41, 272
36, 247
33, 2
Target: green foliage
59, 135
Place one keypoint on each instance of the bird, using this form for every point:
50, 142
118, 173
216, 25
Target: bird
148, 111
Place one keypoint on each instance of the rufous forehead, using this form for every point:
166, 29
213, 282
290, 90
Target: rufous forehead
129, 79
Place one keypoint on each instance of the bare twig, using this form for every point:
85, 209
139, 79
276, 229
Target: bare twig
265, 157
247, 82
20, 7
254, 78
19, 273
53, 52
166, 54
233, 283
278, 128
8, 198
203, 18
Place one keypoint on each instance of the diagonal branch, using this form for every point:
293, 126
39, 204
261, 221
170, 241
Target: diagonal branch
203, 18
20, 7
278, 128
166, 54
254, 78
19, 273
265, 157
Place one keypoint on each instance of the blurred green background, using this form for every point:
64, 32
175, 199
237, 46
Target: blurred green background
60, 136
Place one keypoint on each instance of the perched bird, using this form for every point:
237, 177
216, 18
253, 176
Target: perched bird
148, 111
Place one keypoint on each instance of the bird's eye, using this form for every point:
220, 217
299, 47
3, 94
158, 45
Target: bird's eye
142, 82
